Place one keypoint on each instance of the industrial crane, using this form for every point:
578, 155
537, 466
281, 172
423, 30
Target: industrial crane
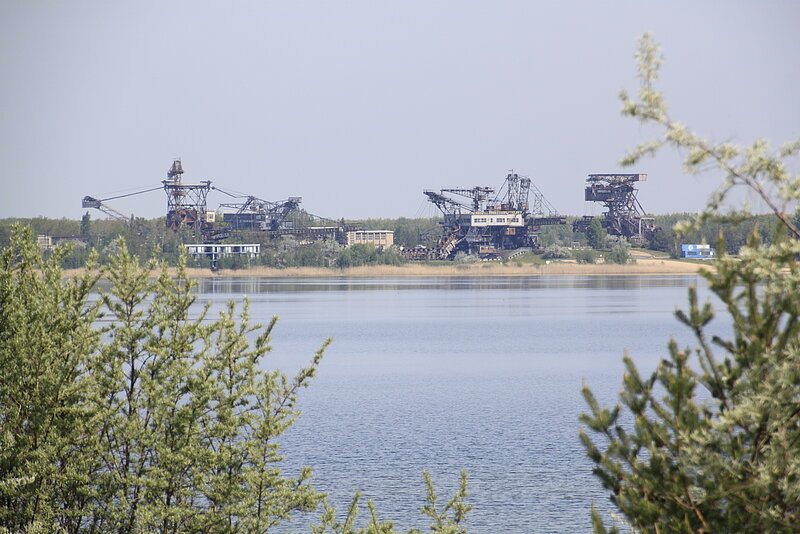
100, 204
451, 206
478, 195
256, 213
186, 202
187, 208
624, 215
513, 195
487, 227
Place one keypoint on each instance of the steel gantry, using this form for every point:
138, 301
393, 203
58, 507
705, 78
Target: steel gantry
623, 215
487, 225
186, 202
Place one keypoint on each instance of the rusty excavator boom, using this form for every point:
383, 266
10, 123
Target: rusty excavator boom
477, 221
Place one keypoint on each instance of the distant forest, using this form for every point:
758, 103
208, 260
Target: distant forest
143, 237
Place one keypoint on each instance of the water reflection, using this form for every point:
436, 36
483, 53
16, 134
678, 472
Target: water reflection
258, 285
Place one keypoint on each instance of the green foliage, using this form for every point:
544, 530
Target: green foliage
619, 250
166, 423
77, 255
5, 234
86, 224
556, 252
311, 255
188, 402
462, 258
662, 241
46, 340
559, 234
596, 234
407, 232
449, 519
710, 441
366, 254
288, 252
713, 447
141, 238
44, 226
146, 236
235, 262
585, 256
736, 232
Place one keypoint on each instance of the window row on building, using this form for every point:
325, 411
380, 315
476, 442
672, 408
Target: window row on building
215, 251
482, 220
379, 238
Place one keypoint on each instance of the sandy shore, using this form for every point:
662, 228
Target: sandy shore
642, 267
654, 267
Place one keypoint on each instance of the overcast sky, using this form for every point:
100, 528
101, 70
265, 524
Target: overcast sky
358, 106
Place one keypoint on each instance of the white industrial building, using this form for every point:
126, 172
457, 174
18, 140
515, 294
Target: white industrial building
216, 251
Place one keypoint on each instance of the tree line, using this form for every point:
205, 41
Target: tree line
145, 236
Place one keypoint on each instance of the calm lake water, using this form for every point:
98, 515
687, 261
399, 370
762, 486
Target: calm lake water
451, 374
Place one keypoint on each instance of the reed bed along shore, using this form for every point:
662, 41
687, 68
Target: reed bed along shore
643, 267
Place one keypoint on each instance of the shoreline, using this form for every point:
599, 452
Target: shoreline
643, 267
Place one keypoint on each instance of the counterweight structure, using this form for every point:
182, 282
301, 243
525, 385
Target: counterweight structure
476, 221
624, 215
186, 203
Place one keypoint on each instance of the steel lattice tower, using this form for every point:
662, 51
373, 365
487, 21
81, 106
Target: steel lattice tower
186, 203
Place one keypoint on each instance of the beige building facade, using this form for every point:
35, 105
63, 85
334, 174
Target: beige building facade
379, 238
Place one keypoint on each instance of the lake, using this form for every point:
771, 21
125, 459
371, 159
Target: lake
451, 374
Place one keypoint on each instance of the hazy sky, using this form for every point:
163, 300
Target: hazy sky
357, 106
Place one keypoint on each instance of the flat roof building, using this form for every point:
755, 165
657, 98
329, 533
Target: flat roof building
379, 238
215, 251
